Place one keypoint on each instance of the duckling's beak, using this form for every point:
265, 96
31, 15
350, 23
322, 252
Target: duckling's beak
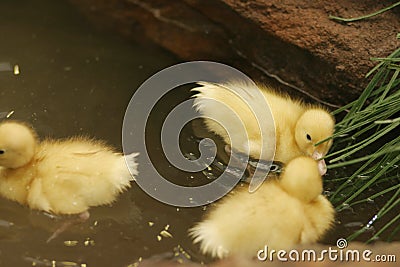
321, 163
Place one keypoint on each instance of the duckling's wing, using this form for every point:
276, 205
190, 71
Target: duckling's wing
237, 99
248, 101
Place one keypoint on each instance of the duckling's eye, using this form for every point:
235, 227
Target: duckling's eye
308, 137
2, 152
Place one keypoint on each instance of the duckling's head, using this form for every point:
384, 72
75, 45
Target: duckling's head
17, 144
313, 126
301, 179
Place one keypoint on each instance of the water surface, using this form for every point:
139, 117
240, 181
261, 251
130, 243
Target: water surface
76, 80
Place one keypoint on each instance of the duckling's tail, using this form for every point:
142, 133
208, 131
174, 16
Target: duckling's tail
132, 165
206, 235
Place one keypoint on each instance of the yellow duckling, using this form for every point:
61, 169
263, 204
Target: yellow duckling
298, 127
59, 176
280, 214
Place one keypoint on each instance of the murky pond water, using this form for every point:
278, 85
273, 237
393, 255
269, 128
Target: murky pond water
75, 80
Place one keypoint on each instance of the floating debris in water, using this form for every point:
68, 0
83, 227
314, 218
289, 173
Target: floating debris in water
209, 175
4, 223
136, 263
53, 263
89, 242
181, 255
164, 233
353, 225
16, 70
95, 223
6, 115
5, 66
10, 114
71, 243
69, 263
151, 224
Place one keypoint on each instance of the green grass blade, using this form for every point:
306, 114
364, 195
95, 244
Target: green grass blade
365, 16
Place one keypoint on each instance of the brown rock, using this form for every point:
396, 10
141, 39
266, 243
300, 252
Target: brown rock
293, 39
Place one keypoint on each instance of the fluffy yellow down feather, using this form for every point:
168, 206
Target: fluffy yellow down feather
280, 214
60, 176
298, 126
